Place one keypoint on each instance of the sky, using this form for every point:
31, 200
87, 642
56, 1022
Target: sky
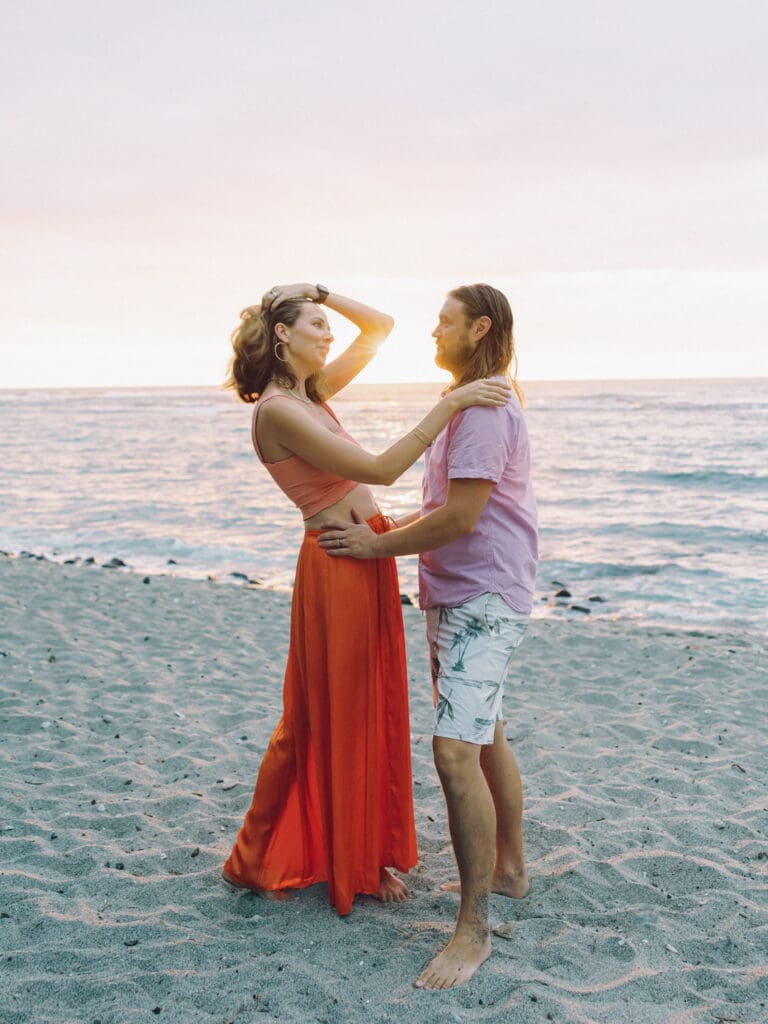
163, 164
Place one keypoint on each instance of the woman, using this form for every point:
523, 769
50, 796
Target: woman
333, 796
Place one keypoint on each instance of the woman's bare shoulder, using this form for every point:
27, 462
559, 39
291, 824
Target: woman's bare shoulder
278, 404
289, 412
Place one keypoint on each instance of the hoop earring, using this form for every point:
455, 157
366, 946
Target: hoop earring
277, 344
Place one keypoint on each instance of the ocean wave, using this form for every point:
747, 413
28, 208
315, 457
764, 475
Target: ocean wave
618, 570
686, 533
719, 479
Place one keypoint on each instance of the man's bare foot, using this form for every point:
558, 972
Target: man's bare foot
514, 886
273, 895
391, 889
456, 964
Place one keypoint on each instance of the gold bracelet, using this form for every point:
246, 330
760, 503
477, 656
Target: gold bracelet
419, 434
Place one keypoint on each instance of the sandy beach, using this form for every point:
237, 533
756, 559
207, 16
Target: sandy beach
134, 715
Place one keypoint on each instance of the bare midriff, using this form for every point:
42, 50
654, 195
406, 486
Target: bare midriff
360, 499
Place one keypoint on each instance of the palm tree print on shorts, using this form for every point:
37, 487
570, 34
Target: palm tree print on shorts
482, 725
473, 629
444, 707
434, 662
493, 693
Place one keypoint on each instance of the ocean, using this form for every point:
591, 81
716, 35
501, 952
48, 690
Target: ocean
653, 495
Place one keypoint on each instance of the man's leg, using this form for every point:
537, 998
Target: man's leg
503, 776
499, 766
472, 823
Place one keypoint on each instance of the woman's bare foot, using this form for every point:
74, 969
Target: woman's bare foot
391, 889
456, 964
513, 885
274, 895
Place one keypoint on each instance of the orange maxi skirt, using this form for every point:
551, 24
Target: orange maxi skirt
333, 800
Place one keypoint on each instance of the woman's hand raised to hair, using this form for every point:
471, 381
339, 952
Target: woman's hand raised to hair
480, 392
280, 292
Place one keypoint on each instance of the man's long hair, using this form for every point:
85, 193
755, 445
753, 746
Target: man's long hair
495, 353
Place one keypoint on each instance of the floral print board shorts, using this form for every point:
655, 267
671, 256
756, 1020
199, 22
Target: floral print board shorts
470, 649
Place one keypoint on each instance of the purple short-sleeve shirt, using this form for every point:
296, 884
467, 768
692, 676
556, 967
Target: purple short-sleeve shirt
500, 554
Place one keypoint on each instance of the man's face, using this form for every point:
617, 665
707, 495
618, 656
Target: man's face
453, 346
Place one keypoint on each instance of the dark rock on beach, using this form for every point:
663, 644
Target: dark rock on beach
405, 599
579, 608
596, 598
562, 592
31, 554
246, 579
113, 563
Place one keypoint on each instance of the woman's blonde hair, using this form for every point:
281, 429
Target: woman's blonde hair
255, 353
495, 353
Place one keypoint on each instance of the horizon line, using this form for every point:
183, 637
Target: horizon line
388, 383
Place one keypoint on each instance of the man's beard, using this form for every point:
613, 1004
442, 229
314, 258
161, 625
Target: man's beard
462, 358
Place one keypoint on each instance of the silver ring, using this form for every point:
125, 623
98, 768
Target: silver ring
339, 542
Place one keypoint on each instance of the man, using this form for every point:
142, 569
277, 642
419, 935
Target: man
477, 542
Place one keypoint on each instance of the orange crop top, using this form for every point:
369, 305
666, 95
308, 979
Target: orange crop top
309, 488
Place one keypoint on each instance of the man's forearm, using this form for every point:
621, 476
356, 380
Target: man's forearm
426, 533
458, 517
406, 520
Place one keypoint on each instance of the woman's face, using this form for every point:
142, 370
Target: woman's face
307, 341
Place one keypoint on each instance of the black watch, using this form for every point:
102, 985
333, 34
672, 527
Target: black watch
322, 293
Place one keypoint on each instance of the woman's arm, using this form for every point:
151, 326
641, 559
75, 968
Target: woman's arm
374, 327
300, 433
